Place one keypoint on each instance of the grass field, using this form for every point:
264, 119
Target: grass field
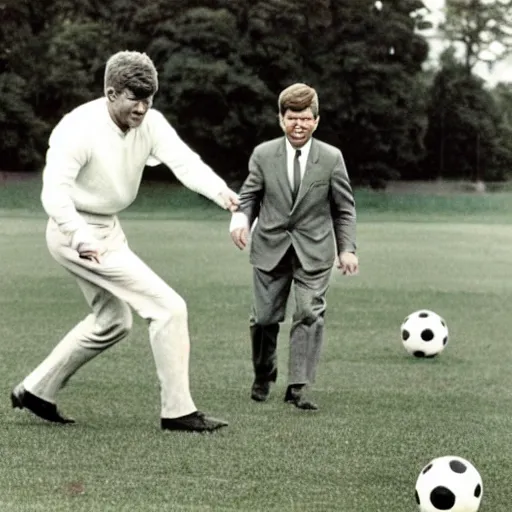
383, 414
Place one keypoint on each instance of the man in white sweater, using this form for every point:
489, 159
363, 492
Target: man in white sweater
93, 170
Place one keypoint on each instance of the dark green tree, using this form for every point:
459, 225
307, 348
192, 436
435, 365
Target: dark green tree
217, 103
222, 64
502, 94
52, 60
463, 137
21, 24
371, 60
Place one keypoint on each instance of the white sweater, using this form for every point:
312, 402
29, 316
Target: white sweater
93, 167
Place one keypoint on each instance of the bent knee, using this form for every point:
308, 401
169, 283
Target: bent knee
118, 328
172, 307
307, 316
125, 323
107, 331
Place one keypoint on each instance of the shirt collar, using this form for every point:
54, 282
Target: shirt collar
304, 150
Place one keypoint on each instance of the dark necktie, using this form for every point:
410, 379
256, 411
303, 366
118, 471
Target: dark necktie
296, 174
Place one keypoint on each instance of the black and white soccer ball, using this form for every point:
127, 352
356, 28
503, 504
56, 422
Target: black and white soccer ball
424, 333
449, 484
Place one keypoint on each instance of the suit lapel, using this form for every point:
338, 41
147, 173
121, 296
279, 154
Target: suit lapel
281, 173
309, 173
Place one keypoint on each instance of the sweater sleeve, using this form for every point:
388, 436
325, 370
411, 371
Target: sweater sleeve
186, 164
66, 155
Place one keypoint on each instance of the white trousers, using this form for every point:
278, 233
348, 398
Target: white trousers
121, 281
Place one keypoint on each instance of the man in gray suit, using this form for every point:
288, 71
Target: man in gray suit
299, 192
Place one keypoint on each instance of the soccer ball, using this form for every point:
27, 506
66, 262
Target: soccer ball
449, 483
424, 333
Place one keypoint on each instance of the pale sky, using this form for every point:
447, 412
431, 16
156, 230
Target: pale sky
501, 72
434, 4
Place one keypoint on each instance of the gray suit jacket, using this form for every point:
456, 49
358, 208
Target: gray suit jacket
319, 225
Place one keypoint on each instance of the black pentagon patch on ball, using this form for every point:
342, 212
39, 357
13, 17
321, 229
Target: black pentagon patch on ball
418, 353
443, 323
457, 466
478, 491
423, 314
405, 334
427, 335
427, 468
417, 497
442, 498
445, 340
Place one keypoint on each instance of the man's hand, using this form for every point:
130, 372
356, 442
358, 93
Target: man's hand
240, 236
91, 251
348, 263
230, 199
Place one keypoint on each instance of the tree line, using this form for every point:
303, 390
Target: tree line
222, 64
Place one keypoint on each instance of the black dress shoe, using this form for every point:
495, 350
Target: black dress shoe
260, 391
23, 399
195, 422
304, 404
294, 396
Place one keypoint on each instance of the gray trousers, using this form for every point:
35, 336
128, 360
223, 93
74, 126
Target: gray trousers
271, 292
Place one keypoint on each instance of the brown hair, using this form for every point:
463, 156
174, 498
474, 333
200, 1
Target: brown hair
298, 97
131, 70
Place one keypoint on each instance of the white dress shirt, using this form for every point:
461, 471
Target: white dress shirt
92, 166
239, 219
290, 157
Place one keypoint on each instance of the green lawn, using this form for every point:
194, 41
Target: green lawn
383, 414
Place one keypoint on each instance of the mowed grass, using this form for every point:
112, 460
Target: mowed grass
383, 414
